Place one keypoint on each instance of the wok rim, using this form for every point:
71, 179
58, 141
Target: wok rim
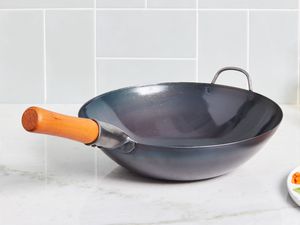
193, 83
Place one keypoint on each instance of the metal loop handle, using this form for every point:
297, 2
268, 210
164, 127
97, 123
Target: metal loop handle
235, 69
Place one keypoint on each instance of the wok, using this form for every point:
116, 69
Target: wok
171, 131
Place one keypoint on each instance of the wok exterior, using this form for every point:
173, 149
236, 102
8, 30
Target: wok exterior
182, 164
214, 128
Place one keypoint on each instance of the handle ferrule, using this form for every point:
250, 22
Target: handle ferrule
113, 137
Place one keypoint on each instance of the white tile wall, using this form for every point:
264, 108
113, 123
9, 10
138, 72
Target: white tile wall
114, 74
172, 3
120, 3
249, 4
21, 57
273, 54
17, 4
222, 42
69, 56
69, 50
146, 34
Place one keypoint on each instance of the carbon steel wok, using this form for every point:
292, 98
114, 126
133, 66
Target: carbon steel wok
172, 131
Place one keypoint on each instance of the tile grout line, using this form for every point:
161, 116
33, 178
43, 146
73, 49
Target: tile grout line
147, 9
197, 43
95, 51
48, 9
145, 58
248, 41
44, 56
193, 9
298, 54
45, 96
95, 81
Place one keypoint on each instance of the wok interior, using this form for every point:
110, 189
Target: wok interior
185, 114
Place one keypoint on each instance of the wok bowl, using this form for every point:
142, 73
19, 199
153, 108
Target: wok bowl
186, 131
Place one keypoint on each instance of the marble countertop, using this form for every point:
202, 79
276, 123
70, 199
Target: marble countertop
47, 180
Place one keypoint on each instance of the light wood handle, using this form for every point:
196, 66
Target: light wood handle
38, 120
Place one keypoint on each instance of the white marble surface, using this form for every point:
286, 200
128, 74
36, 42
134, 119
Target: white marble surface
55, 181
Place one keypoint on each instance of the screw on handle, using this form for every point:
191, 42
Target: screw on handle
235, 69
38, 120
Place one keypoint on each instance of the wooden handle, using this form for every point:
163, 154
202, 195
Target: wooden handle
38, 120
